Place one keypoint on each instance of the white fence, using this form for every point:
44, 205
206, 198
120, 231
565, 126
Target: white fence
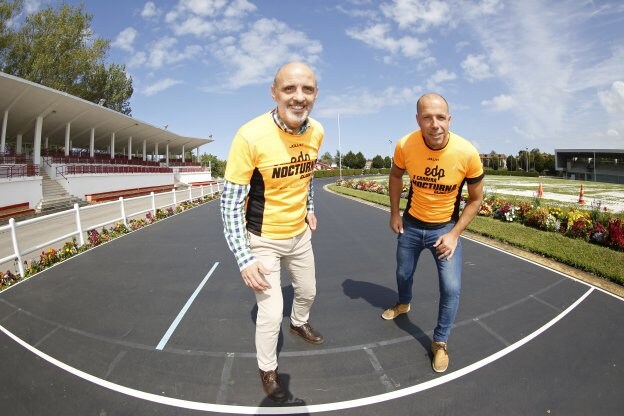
46, 231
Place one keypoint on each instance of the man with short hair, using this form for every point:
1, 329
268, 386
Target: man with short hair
268, 212
438, 163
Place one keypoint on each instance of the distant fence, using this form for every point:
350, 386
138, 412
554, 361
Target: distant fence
115, 211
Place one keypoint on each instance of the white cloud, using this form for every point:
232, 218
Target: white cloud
440, 76
254, 57
613, 133
476, 67
613, 100
417, 15
239, 9
165, 51
195, 25
499, 103
160, 86
149, 10
377, 36
356, 102
125, 39
205, 17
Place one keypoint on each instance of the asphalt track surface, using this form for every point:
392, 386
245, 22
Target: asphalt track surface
158, 322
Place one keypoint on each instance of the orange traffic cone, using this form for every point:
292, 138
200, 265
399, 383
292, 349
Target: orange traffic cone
581, 196
540, 191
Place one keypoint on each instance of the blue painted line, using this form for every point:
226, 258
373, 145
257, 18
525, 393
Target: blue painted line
188, 304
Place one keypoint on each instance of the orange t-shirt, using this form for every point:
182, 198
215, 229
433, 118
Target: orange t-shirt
437, 176
278, 166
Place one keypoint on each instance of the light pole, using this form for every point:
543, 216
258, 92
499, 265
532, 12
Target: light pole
527, 158
339, 150
391, 154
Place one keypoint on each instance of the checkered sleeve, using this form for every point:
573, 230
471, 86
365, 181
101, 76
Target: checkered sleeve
234, 226
310, 204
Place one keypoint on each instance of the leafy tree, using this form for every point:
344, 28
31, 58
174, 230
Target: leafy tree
387, 162
8, 11
378, 162
523, 160
360, 161
338, 157
512, 163
217, 166
327, 158
349, 160
109, 85
549, 163
58, 49
537, 160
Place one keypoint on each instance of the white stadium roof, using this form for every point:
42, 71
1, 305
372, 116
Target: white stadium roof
24, 101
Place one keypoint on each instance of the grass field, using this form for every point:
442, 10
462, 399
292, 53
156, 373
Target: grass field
559, 191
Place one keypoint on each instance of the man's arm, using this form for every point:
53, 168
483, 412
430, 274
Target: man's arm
446, 244
234, 225
395, 187
311, 217
235, 231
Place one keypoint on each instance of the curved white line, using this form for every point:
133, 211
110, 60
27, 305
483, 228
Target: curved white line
348, 404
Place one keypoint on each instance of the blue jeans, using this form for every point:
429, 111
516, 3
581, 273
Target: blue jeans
410, 244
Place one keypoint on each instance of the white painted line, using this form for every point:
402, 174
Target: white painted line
177, 320
606, 292
327, 407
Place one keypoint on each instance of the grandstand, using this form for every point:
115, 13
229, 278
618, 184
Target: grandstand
597, 165
57, 150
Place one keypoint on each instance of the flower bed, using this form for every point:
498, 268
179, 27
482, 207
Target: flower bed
94, 238
595, 225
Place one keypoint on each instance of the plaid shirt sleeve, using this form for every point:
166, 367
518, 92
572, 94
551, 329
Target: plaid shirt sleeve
234, 226
310, 205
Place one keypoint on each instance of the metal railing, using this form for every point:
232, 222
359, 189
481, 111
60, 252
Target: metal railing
18, 171
118, 209
107, 169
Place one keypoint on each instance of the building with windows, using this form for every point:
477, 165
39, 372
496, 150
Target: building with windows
596, 165
493, 160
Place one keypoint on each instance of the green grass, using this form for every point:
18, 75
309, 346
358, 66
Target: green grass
579, 254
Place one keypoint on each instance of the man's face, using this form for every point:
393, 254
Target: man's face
295, 92
434, 121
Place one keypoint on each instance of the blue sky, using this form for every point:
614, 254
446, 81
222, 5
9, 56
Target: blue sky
517, 74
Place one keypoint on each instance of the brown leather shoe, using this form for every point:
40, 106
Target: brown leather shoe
270, 384
306, 332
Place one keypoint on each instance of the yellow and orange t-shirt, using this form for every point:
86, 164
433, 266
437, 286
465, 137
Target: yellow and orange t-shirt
437, 176
278, 166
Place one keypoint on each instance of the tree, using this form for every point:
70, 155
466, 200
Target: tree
58, 49
538, 161
512, 163
8, 11
109, 86
338, 157
348, 160
549, 163
217, 166
387, 162
378, 162
327, 159
360, 161
523, 160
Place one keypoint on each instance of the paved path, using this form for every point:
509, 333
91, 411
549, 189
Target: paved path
158, 323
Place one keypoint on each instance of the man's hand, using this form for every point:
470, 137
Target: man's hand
396, 223
253, 276
445, 246
311, 220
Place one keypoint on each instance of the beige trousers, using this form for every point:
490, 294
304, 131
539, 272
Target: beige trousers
298, 258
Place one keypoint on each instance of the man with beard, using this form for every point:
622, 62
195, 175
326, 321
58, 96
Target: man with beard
268, 212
